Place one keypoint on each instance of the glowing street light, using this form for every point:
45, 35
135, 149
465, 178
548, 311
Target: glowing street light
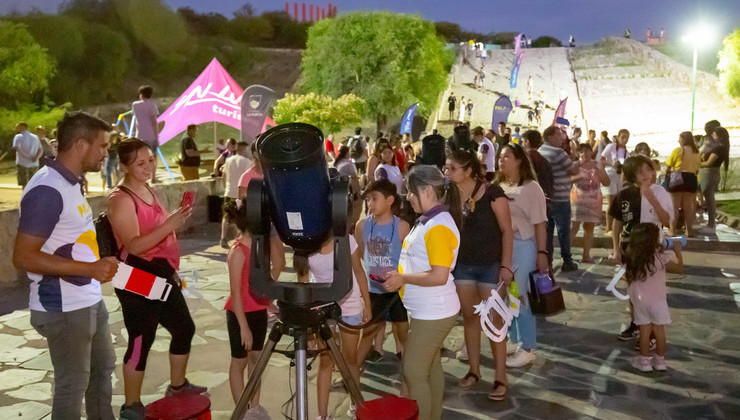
699, 37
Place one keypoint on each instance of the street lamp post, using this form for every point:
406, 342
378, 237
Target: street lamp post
699, 36
693, 85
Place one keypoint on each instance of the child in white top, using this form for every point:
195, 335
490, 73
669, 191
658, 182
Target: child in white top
356, 310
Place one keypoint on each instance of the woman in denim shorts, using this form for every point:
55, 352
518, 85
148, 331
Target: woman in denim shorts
484, 258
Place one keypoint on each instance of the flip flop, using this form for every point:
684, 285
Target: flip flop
463, 382
498, 392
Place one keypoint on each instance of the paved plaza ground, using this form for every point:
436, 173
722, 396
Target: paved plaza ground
581, 371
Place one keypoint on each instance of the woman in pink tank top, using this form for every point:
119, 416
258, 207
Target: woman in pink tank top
145, 233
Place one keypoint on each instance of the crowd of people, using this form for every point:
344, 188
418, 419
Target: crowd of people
440, 232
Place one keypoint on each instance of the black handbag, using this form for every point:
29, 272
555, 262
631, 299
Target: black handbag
545, 299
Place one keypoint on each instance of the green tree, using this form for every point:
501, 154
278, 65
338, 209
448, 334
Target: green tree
546, 42
729, 64
390, 60
322, 111
25, 67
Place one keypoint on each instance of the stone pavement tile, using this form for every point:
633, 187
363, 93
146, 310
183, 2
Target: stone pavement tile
27, 410
41, 362
31, 335
34, 392
11, 341
14, 315
22, 323
14, 378
19, 355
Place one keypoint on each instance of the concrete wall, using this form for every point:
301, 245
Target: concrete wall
169, 194
671, 68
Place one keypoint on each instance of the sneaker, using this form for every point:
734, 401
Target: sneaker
462, 354
651, 347
352, 411
374, 356
569, 266
520, 358
631, 333
256, 413
186, 388
642, 363
134, 411
224, 244
659, 363
511, 347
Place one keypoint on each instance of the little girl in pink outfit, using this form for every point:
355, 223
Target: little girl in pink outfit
646, 276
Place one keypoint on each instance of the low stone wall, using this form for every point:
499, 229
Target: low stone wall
169, 194
670, 67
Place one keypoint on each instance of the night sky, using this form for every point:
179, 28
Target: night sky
586, 20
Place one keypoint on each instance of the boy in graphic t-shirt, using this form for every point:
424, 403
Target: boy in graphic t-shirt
641, 201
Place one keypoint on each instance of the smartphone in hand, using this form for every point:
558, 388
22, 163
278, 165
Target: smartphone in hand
188, 198
376, 279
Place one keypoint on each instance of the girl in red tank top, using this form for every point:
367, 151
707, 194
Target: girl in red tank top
246, 315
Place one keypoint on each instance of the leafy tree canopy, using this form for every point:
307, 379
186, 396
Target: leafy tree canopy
546, 42
729, 64
322, 111
25, 67
390, 60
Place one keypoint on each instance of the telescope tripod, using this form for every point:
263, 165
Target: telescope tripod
300, 322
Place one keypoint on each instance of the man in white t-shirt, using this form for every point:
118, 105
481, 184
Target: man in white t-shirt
56, 245
144, 126
28, 150
233, 169
486, 152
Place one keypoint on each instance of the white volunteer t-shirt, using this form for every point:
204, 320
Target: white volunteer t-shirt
321, 270
487, 153
234, 167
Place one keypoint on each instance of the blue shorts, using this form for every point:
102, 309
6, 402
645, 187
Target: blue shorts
476, 274
352, 319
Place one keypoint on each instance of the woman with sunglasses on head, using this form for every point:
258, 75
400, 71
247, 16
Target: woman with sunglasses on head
428, 257
484, 261
529, 220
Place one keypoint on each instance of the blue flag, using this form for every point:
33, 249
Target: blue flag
408, 119
501, 110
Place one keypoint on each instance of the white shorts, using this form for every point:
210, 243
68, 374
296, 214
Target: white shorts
656, 313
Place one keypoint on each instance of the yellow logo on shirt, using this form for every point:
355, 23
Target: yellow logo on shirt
83, 208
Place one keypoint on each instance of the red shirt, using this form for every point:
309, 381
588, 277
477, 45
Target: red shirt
249, 302
400, 159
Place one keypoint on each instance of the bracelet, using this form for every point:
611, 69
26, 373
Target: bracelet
543, 252
510, 271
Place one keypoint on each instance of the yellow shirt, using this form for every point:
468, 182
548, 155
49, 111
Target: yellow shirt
685, 160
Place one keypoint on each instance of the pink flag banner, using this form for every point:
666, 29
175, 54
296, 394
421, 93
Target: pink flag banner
213, 96
559, 119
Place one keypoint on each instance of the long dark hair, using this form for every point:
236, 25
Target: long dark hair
444, 189
237, 214
641, 250
468, 160
381, 145
724, 140
526, 172
342, 153
687, 139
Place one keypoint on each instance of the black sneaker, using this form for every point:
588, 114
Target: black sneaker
134, 411
569, 266
631, 333
374, 356
186, 388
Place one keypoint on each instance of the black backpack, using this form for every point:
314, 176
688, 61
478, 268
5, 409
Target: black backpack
107, 245
355, 147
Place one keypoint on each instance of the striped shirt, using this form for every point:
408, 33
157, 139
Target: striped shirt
561, 165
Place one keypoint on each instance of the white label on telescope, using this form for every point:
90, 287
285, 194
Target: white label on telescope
295, 222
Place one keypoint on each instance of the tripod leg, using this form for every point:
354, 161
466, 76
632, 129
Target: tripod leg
352, 386
301, 375
254, 380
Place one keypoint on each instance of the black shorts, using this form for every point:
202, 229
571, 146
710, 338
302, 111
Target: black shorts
227, 201
396, 312
257, 322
